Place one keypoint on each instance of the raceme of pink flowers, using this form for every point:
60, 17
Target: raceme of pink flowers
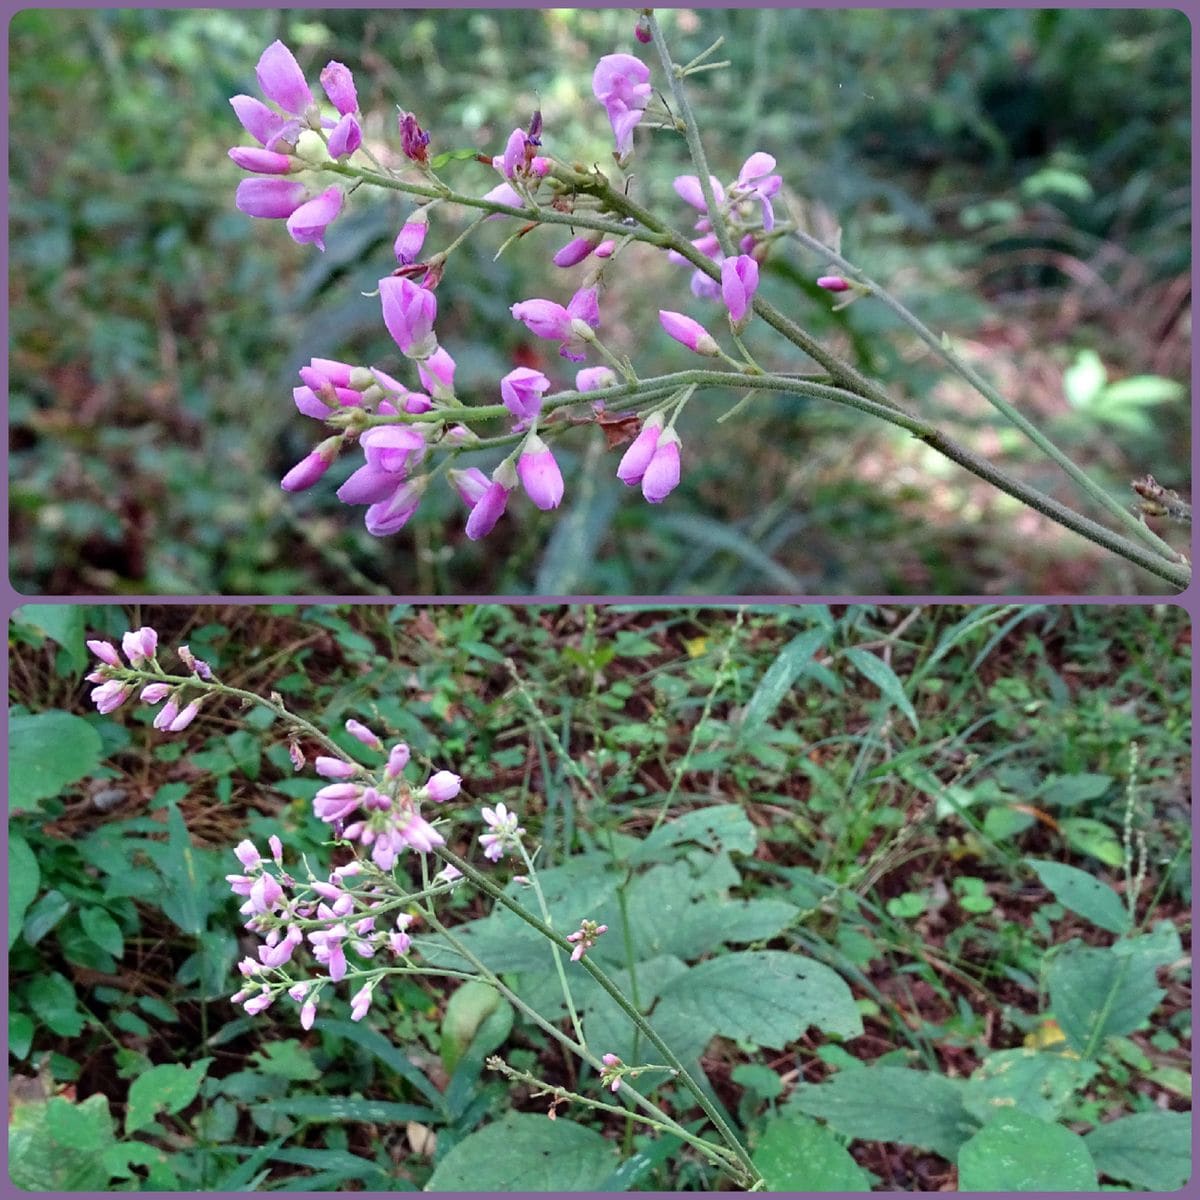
116, 683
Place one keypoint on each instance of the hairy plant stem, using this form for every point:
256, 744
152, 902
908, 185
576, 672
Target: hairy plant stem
501, 897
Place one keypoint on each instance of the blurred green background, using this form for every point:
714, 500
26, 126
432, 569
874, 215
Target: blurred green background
1019, 178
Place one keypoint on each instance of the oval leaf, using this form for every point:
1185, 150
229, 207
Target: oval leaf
1083, 894
1018, 1153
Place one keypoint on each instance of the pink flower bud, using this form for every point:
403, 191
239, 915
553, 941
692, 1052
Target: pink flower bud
470, 485
140, 645
257, 1004
260, 122
487, 511
247, 855
576, 250
688, 332
110, 696
641, 31
357, 729
539, 474
337, 801
637, 458
544, 318
522, 391
333, 768
312, 467
308, 1014
281, 79
398, 758
610, 1060
197, 666
437, 374
591, 379
389, 516
361, 1002
409, 312
833, 283
308, 223
185, 718
443, 786
411, 237
166, 715
606, 248
106, 652
662, 473
272, 199
345, 138
338, 83
739, 281
152, 693
414, 141
265, 162
276, 852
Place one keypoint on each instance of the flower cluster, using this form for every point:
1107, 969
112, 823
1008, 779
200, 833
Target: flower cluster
399, 428
116, 682
584, 938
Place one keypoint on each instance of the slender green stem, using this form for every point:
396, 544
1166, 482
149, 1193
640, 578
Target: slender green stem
965, 371
501, 897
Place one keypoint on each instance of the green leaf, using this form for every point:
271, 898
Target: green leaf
62, 623
1095, 993
339, 1109
59, 1146
789, 665
796, 1154
762, 996
438, 161
713, 535
885, 679
892, 1104
1094, 838
1066, 791
188, 899
390, 1055
24, 878
1150, 1150
1020, 1153
1031, 1081
719, 827
46, 752
1083, 894
1084, 379
166, 1088
526, 1152
44, 915
20, 1033
466, 1013
103, 930
286, 1059
51, 997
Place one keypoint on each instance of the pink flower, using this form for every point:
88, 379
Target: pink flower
704, 288
361, 1002
265, 162
739, 281
662, 472
338, 83
345, 138
333, 768
688, 189
539, 474
514, 154
281, 79
308, 1014
398, 757
257, 1004
487, 511
443, 786
409, 312
504, 832
636, 459
337, 801
469, 484
197, 666
622, 84
153, 693
389, 516
833, 283
106, 652
356, 729
522, 391
312, 467
391, 451
606, 248
585, 938
109, 696
755, 181
411, 237
576, 250
166, 715
544, 318
247, 855
140, 645
591, 379
273, 199
263, 124
437, 374
185, 718
688, 332
308, 223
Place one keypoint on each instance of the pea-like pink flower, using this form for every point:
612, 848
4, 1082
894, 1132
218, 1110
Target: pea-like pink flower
688, 189
390, 515
470, 484
110, 696
622, 84
262, 123
739, 282
308, 223
487, 511
443, 786
361, 733
539, 474
688, 332
282, 80
345, 138
333, 768
272, 199
662, 472
756, 181
522, 390
140, 645
414, 141
411, 237
591, 379
391, 452
106, 652
338, 82
576, 250
544, 318
312, 467
437, 374
409, 312
636, 459
265, 162
504, 832
833, 283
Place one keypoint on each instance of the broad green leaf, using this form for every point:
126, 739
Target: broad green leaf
62, 623
1094, 838
46, 752
892, 1104
188, 898
1083, 894
1027, 1080
763, 996
885, 679
795, 1154
24, 878
789, 665
1095, 993
286, 1059
20, 1033
1150, 1150
166, 1088
58, 1146
717, 827
526, 1152
1066, 791
51, 998
103, 930
1019, 1153
466, 1013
